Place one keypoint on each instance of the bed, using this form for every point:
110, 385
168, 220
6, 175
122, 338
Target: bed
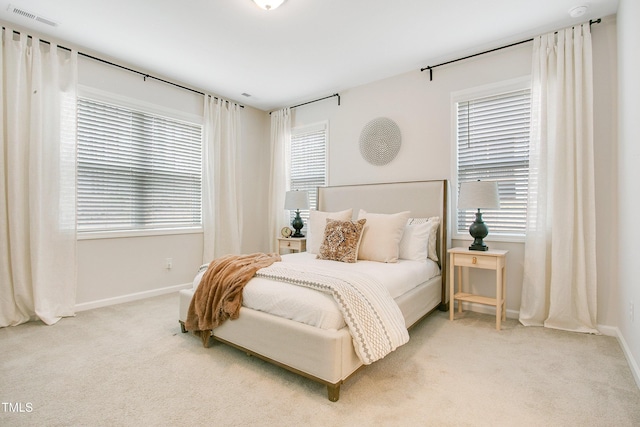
325, 353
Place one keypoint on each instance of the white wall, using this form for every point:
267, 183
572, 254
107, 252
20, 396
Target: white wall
255, 164
120, 269
605, 151
628, 177
422, 110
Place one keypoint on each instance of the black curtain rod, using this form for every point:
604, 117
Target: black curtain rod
319, 99
145, 76
316, 100
430, 68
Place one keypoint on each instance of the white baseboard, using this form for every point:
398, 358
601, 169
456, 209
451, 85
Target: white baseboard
633, 364
130, 297
614, 331
610, 331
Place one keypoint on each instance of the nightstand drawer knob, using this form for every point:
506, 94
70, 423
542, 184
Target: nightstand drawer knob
474, 260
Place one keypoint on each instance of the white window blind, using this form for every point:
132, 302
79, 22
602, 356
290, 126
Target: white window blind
309, 163
493, 144
136, 171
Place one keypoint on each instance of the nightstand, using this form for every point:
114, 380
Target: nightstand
488, 260
293, 244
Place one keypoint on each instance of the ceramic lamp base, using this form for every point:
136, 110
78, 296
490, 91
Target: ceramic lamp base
478, 231
297, 225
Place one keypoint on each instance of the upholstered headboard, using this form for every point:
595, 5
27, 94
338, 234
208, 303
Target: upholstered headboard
422, 198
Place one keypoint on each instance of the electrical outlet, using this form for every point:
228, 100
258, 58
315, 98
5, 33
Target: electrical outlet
169, 263
631, 310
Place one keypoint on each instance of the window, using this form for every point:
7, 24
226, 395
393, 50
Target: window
136, 170
493, 144
309, 163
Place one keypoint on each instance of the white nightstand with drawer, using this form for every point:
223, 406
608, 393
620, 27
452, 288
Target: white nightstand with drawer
488, 260
293, 244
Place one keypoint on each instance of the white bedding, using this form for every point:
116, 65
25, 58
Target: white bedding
317, 309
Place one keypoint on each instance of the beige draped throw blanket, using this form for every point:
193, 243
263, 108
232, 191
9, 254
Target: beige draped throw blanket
219, 294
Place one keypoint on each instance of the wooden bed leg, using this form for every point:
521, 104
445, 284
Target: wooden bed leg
204, 337
333, 392
444, 306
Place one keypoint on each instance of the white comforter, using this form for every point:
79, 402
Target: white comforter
318, 309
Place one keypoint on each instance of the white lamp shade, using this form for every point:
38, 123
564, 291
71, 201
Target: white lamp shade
296, 199
268, 4
479, 195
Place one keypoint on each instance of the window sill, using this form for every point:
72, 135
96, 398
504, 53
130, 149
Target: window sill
122, 234
491, 238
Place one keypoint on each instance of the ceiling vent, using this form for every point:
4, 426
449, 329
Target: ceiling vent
32, 16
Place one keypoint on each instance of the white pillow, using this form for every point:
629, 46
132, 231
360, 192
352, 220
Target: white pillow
415, 241
381, 236
434, 221
317, 223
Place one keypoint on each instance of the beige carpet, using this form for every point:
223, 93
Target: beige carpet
129, 365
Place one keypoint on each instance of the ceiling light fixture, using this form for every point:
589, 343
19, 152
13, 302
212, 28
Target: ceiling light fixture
268, 4
578, 11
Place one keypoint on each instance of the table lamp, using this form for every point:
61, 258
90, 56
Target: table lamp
296, 200
478, 195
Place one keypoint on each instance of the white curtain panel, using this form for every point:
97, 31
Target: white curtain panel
37, 183
279, 173
221, 192
559, 289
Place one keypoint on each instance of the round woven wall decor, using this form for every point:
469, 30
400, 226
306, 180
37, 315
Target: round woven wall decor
380, 141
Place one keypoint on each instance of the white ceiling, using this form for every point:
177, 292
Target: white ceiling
304, 50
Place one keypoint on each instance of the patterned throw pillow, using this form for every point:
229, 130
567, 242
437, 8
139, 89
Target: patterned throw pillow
341, 240
316, 224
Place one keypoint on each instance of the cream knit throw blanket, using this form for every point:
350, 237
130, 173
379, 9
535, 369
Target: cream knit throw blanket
374, 319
